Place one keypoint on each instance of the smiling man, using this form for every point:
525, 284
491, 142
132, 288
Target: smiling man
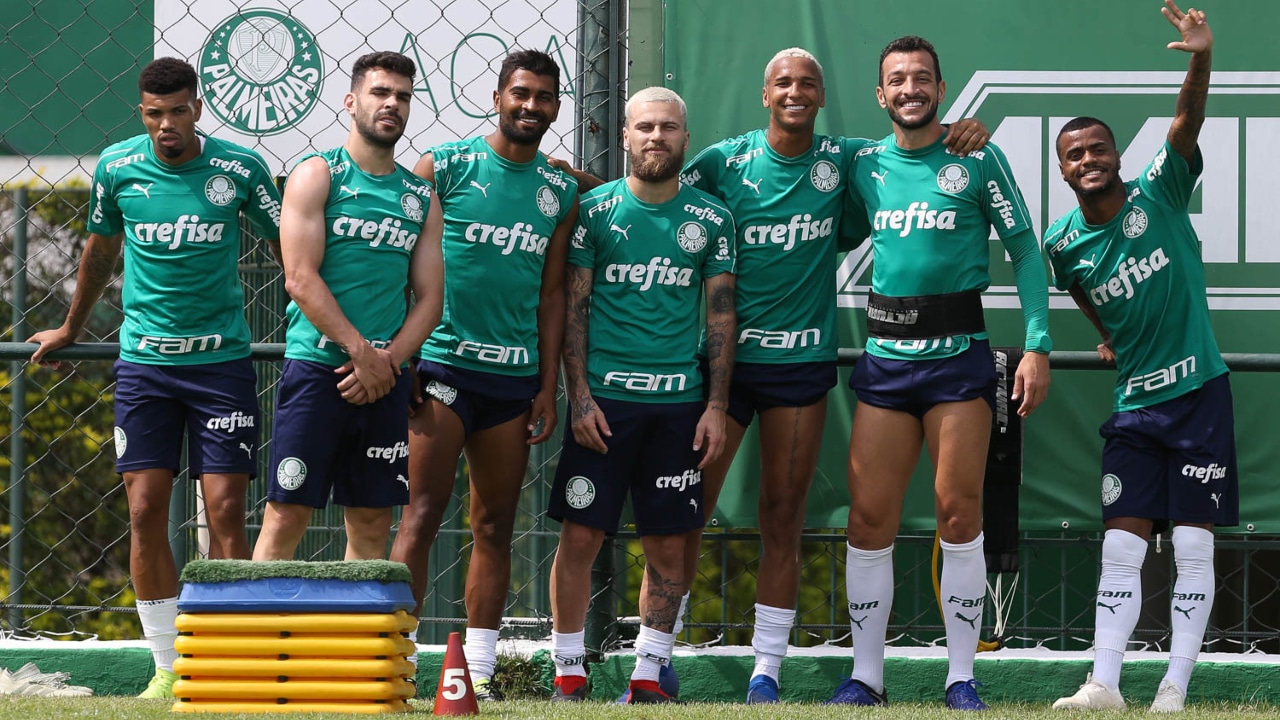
173, 198
785, 185
928, 375
489, 372
1131, 261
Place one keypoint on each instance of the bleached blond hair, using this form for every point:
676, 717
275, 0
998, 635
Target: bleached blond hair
657, 94
793, 52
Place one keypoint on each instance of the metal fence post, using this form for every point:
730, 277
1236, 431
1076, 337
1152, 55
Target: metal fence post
17, 414
599, 24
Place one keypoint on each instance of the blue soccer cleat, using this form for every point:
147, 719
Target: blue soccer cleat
763, 690
856, 692
963, 695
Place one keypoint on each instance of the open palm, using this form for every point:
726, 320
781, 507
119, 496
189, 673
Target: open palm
1194, 27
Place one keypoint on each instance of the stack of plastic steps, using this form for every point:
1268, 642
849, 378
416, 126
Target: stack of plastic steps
294, 637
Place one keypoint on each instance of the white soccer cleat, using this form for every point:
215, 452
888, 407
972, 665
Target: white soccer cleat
1169, 699
1092, 695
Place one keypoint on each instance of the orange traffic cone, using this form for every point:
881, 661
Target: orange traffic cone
454, 694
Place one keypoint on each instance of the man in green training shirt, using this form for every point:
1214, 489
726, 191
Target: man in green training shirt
490, 371
645, 250
358, 232
1131, 261
785, 186
928, 374
173, 198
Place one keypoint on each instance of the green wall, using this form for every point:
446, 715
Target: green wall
1041, 63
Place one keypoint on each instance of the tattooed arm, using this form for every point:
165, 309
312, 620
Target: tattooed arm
97, 263
588, 422
722, 329
1197, 39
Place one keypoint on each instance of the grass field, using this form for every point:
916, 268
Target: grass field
119, 708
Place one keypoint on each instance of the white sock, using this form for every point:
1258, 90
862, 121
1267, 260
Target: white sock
1118, 604
684, 607
1192, 600
481, 650
868, 583
773, 627
964, 593
159, 626
569, 651
413, 660
653, 650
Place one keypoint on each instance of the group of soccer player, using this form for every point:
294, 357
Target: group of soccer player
430, 311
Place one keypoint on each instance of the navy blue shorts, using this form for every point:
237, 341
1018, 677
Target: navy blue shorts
756, 387
1175, 461
651, 454
324, 444
215, 404
481, 400
915, 386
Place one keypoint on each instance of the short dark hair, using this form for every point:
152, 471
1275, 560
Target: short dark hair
906, 44
538, 63
168, 75
1081, 123
393, 62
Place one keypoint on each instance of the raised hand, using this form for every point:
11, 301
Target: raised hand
1193, 26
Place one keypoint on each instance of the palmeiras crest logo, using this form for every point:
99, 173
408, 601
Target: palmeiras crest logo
548, 202
824, 175
261, 71
692, 237
579, 492
220, 190
953, 178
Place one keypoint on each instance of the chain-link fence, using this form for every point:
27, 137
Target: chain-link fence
66, 537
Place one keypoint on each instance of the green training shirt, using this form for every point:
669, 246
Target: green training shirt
788, 213
372, 223
1144, 276
183, 301
498, 220
931, 215
649, 264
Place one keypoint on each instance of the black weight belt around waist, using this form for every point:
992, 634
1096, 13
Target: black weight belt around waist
921, 317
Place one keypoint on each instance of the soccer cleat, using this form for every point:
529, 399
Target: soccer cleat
161, 686
668, 681
647, 692
1092, 695
1169, 699
963, 695
762, 690
570, 688
856, 692
485, 689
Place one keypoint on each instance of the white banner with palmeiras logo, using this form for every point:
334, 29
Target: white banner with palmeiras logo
273, 76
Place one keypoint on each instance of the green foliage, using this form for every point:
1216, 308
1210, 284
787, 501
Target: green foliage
725, 588
74, 538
